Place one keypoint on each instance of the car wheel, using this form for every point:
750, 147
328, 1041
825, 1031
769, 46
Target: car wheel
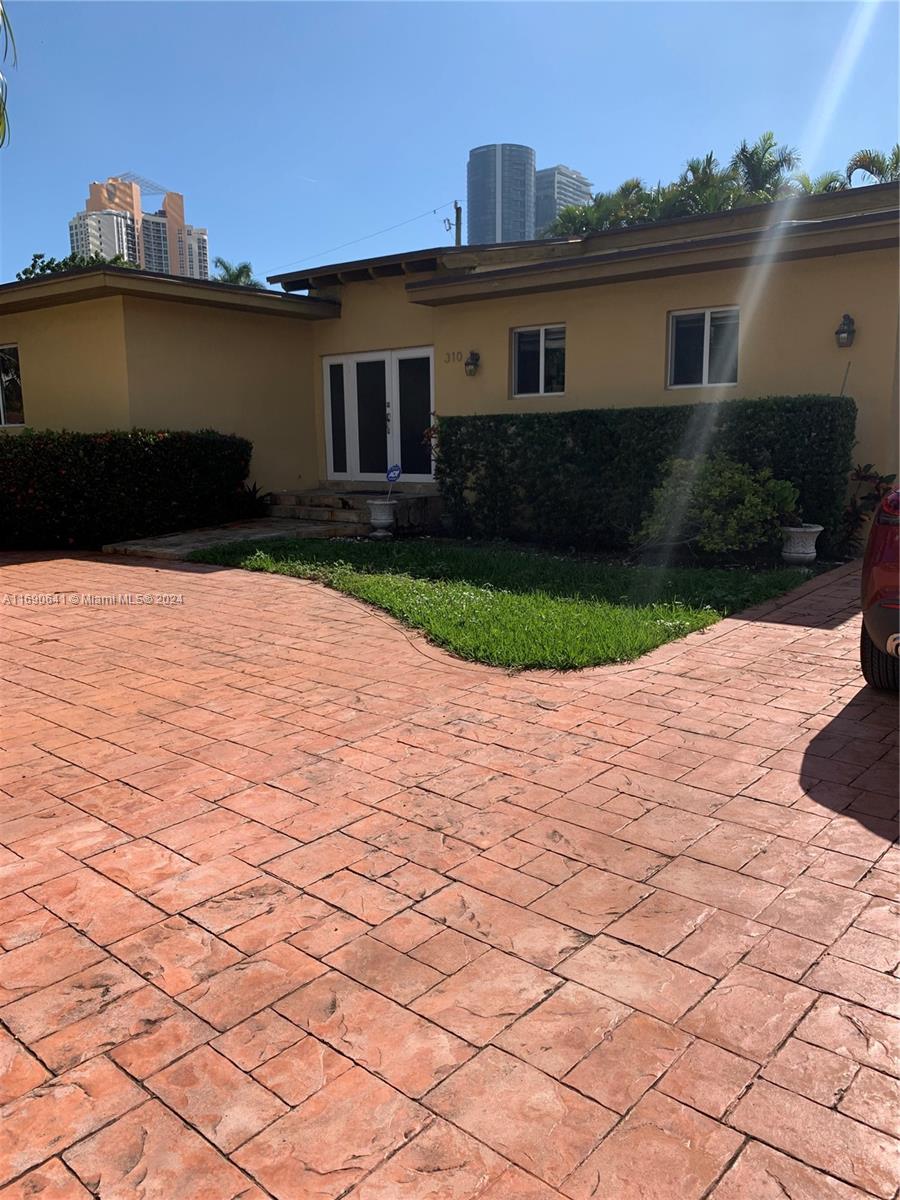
879, 670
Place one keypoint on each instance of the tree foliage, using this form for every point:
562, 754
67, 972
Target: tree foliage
757, 173
240, 273
879, 167
42, 265
7, 51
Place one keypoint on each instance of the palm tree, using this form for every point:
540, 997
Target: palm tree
829, 181
628, 204
762, 169
882, 168
707, 187
240, 274
8, 51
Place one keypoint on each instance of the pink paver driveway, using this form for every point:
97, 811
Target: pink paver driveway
295, 905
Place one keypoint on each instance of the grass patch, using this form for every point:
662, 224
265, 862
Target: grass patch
517, 608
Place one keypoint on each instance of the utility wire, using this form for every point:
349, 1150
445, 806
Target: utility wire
430, 212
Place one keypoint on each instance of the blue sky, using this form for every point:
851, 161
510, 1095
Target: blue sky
294, 127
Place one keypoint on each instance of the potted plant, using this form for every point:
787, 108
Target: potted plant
799, 548
382, 508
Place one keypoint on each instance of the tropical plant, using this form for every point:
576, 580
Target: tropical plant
763, 168
828, 181
869, 487
240, 274
757, 174
716, 505
705, 186
883, 168
8, 51
41, 265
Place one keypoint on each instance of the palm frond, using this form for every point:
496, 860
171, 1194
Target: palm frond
871, 162
7, 51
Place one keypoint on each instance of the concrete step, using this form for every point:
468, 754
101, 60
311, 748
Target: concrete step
319, 499
344, 517
306, 518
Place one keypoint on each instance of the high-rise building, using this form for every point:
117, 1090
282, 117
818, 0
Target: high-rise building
108, 232
500, 193
193, 252
155, 243
159, 241
555, 188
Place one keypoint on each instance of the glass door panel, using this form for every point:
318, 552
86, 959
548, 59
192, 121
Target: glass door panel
372, 416
378, 407
413, 414
338, 419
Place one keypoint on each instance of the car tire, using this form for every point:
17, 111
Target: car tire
880, 670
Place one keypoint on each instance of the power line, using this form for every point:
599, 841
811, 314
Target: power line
308, 258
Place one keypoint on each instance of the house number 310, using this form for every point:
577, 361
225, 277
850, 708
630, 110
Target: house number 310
453, 356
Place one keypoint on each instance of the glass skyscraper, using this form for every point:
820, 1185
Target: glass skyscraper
500, 193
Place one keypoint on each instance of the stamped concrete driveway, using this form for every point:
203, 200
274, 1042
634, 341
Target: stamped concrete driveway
293, 904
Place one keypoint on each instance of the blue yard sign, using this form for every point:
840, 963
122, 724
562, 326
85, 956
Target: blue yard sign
393, 473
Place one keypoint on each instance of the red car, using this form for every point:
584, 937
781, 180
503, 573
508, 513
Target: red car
879, 645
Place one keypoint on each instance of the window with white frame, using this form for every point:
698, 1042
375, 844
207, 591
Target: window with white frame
12, 411
539, 360
703, 347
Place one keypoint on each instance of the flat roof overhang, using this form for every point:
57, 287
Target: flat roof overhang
449, 264
70, 287
782, 241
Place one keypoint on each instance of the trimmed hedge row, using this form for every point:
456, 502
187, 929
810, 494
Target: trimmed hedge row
585, 478
84, 489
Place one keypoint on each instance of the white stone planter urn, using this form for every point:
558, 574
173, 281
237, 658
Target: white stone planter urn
381, 517
799, 549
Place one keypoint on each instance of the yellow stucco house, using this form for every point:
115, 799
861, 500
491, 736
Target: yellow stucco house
337, 377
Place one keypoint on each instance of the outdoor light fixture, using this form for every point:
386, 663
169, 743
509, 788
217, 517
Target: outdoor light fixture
472, 363
845, 332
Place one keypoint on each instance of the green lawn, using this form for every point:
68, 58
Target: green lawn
517, 608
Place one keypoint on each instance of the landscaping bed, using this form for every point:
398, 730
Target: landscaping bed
513, 607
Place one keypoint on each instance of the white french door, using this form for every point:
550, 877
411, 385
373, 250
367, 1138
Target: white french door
378, 407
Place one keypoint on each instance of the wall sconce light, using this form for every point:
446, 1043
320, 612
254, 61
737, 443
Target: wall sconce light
472, 363
845, 332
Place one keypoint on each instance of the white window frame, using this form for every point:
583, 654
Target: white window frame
4, 424
542, 329
707, 313
347, 362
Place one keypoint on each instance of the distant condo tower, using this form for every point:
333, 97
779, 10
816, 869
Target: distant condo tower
509, 201
555, 188
500, 193
113, 222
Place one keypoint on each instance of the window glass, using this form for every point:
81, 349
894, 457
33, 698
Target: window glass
338, 418
12, 411
371, 416
555, 359
414, 404
687, 349
527, 362
723, 346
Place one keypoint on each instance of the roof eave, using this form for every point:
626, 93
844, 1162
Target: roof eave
69, 287
745, 247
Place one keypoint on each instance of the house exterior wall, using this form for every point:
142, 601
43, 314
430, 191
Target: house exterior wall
72, 360
617, 342
193, 367
374, 316
125, 360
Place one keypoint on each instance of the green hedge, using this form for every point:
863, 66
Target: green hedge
807, 440
84, 489
585, 478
